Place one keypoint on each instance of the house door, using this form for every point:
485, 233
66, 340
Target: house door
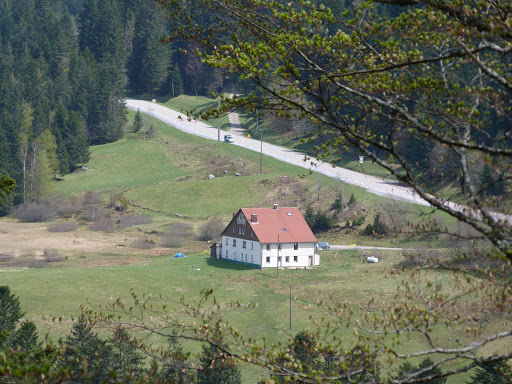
310, 260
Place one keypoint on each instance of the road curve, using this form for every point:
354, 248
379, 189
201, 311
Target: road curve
375, 185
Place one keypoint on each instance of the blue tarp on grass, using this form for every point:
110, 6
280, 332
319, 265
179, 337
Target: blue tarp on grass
179, 255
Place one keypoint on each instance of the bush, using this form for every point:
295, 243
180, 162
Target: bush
323, 222
143, 244
357, 222
151, 132
92, 198
67, 226
52, 255
93, 214
32, 213
183, 229
68, 208
104, 224
27, 261
377, 228
211, 230
172, 240
6, 257
126, 221
176, 234
338, 203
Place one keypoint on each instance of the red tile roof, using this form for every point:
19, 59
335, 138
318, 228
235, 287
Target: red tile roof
287, 222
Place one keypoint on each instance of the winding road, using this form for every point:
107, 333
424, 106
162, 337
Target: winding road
375, 185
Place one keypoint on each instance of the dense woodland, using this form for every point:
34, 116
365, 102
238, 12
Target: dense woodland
65, 67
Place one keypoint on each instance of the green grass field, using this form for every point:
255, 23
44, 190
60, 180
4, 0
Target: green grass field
170, 174
53, 292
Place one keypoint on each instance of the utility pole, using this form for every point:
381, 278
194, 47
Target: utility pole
218, 129
261, 144
342, 195
290, 304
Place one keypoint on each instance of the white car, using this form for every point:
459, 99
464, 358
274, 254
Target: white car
229, 139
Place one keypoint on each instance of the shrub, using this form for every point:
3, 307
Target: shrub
377, 228
151, 132
176, 234
143, 244
52, 255
357, 222
211, 230
27, 261
183, 229
32, 213
6, 257
93, 214
67, 226
338, 203
92, 198
104, 224
126, 221
36, 263
172, 240
68, 208
323, 222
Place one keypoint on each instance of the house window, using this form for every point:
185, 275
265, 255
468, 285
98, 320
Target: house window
252, 234
278, 246
241, 219
252, 258
234, 255
227, 241
234, 242
279, 259
252, 246
296, 246
233, 229
287, 259
227, 255
268, 259
295, 259
244, 244
243, 231
268, 247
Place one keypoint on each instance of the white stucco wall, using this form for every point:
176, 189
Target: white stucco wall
251, 254
288, 254
257, 254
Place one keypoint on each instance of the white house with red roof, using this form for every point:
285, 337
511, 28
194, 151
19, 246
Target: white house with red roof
268, 238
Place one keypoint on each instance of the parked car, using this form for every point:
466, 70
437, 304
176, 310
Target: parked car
229, 139
323, 245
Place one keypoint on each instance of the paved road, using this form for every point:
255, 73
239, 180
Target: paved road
374, 185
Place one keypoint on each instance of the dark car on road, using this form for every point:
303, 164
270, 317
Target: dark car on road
323, 245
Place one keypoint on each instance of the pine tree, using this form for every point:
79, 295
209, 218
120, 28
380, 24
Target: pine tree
216, 368
23, 338
137, 121
497, 372
86, 355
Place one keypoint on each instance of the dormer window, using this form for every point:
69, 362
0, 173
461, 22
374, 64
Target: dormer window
241, 219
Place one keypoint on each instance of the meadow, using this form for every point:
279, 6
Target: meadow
167, 178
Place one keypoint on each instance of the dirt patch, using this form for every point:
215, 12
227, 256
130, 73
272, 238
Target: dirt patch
21, 239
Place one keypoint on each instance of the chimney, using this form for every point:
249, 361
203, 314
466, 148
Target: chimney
254, 218
275, 207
